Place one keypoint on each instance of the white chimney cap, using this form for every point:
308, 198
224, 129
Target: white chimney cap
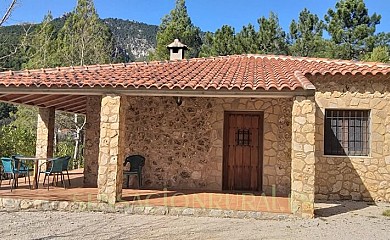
177, 44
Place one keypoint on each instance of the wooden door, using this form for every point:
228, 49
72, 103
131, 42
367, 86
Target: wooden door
243, 151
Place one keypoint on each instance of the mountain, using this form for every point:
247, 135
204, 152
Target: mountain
133, 39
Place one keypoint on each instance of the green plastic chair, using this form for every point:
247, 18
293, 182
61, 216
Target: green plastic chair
136, 164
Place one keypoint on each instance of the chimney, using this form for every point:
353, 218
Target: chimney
176, 50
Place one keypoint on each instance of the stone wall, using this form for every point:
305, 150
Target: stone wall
92, 135
355, 178
303, 156
45, 133
183, 145
111, 148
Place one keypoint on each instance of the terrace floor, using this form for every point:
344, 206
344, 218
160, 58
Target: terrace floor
236, 201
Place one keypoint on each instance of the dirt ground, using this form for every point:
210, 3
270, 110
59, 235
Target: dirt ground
347, 220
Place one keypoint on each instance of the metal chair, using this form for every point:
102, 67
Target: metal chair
65, 165
136, 164
22, 167
10, 170
55, 169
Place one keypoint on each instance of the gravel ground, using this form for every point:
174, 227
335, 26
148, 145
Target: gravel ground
344, 221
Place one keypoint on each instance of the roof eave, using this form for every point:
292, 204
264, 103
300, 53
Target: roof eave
258, 93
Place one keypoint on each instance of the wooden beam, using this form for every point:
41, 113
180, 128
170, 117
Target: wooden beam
55, 99
36, 99
15, 97
78, 108
31, 97
61, 99
71, 105
70, 102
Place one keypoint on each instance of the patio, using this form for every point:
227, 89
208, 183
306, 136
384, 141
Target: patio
234, 201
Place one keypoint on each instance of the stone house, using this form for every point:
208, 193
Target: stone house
310, 129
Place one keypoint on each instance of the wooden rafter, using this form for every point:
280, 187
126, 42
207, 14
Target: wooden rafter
14, 97
40, 99
78, 108
71, 105
28, 98
60, 99
66, 101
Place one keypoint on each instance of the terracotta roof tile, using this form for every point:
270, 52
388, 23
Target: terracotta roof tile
232, 72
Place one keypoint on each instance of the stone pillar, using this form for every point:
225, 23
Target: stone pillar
45, 133
92, 135
303, 158
111, 150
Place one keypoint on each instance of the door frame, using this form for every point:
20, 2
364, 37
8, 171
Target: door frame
226, 151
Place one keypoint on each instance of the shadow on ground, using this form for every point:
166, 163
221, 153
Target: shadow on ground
332, 208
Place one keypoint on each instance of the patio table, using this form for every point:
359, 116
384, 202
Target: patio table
35, 160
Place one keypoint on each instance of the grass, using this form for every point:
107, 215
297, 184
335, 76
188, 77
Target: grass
386, 213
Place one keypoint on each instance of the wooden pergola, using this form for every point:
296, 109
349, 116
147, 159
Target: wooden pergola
62, 102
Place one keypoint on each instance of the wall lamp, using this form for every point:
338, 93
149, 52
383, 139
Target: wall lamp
179, 101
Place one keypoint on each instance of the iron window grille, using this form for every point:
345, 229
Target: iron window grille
347, 132
243, 137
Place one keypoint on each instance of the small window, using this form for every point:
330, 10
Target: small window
347, 132
243, 137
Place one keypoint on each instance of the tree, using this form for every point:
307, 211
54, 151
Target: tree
84, 39
382, 39
272, 38
11, 57
379, 54
6, 112
207, 46
306, 35
74, 124
177, 25
20, 135
224, 42
247, 40
8, 12
351, 28
41, 46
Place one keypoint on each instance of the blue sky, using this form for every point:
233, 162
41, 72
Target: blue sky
209, 15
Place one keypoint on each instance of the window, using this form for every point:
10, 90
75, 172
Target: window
347, 132
243, 137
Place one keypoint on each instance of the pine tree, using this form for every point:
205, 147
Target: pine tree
224, 41
382, 39
351, 28
177, 25
84, 39
41, 46
379, 54
207, 46
306, 35
247, 40
272, 38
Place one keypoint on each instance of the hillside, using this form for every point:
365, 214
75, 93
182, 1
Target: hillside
133, 38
